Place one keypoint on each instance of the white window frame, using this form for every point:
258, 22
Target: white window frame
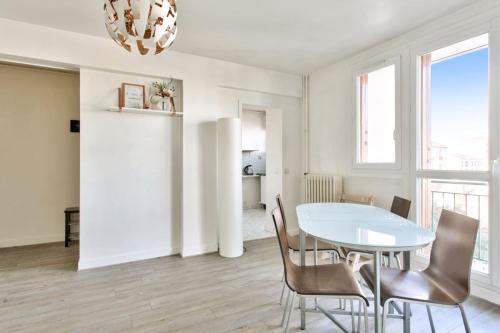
396, 165
417, 174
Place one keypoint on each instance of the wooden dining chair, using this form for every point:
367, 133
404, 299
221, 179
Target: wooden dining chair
357, 199
445, 282
331, 280
351, 256
400, 207
294, 242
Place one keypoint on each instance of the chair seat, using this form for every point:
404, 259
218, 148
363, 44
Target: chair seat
413, 286
294, 244
331, 279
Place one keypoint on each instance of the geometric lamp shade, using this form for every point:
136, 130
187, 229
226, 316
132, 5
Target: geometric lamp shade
149, 26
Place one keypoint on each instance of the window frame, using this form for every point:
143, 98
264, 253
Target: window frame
418, 174
362, 70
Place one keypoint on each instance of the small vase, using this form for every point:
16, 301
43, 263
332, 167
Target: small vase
165, 104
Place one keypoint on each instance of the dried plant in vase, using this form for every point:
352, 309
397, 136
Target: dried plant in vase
163, 92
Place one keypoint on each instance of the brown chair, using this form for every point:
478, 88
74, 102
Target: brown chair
360, 200
400, 207
294, 242
357, 199
332, 280
446, 281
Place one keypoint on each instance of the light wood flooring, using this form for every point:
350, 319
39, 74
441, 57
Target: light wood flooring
40, 291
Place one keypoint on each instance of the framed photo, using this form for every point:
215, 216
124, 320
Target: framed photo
133, 96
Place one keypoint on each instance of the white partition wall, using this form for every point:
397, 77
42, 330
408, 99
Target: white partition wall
230, 207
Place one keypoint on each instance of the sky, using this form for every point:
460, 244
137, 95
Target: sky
460, 102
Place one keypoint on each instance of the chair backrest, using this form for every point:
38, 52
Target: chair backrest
401, 206
453, 250
282, 240
357, 199
279, 201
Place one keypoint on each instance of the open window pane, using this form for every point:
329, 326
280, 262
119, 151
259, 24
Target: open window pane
377, 116
468, 198
455, 98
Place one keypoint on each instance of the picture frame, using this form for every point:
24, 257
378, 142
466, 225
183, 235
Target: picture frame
133, 96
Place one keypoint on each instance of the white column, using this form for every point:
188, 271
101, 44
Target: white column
229, 179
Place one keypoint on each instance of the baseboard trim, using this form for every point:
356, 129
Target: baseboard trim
199, 250
4, 243
85, 264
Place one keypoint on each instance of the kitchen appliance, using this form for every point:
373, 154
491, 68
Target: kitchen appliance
248, 170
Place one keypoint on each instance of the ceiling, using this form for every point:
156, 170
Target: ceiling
295, 36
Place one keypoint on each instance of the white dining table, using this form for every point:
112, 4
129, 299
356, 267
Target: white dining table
362, 228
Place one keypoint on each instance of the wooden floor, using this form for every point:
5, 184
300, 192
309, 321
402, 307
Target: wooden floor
40, 291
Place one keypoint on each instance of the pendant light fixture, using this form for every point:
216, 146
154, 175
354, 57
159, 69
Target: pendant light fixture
147, 26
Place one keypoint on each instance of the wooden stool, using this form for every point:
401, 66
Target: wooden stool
68, 235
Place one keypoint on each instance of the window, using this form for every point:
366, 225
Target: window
377, 107
453, 141
455, 91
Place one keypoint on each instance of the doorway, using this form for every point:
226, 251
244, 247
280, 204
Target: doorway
262, 150
40, 156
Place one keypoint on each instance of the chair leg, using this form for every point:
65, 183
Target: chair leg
353, 324
398, 261
431, 321
286, 308
359, 316
366, 317
290, 313
282, 293
464, 317
384, 317
335, 257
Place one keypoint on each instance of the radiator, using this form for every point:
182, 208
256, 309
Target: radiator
323, 188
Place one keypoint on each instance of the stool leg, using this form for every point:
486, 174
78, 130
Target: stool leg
66, 229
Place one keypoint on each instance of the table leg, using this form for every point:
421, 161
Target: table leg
302, 301
389, 264
406, 308
377, 261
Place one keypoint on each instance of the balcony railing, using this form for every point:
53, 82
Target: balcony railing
470, 204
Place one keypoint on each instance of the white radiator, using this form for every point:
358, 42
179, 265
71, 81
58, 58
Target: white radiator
323, 188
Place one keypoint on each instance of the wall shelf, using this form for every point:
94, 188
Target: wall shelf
145, 111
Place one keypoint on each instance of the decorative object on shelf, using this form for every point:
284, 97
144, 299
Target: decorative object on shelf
150, 26
163, 94
133, 96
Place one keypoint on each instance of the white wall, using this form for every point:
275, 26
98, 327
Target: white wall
203, 79
332, 110
131, 177
38, 153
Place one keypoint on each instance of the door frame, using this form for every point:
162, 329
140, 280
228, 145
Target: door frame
270, 193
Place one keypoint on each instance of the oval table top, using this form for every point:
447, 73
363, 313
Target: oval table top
362, 227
